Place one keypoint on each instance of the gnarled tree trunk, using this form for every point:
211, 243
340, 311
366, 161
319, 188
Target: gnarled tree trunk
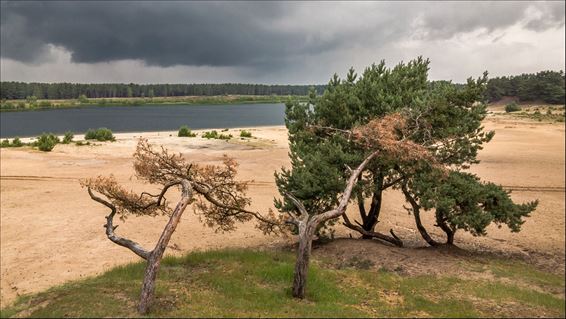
441, 222
154, 260
371, 218
303, 258
417, 214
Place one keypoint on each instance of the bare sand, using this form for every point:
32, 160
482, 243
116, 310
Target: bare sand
51, 232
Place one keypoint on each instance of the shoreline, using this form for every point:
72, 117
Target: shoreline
154, 134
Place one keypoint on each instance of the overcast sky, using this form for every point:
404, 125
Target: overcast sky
272, 42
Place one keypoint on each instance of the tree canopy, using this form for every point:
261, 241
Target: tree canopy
443, 118
546, 86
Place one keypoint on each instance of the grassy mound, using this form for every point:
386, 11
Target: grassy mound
247, 283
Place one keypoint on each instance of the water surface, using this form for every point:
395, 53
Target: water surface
139, 118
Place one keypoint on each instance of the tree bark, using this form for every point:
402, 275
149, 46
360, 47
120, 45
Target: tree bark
302, 263
447, 229
417, 214
307, 226
393, 239
154, 260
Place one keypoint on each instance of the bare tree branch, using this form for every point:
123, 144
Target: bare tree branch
131, 245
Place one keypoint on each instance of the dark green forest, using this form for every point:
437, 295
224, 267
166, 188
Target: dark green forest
546, 86
22, 90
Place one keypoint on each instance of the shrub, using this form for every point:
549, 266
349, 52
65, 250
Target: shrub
245, 133
17, 143
549, 112
83, 99
185, 131
5, 143
214, 134
68, 138
7, 106
210, 134
100, 134
46, 142
81, 143
224, 136
512, 107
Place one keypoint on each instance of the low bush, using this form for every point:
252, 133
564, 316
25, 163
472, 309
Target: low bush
185, 131
16, 142
81, 143
512, 107
245, 133
100, 134
214, 135
210, 134
68, 138
46, 142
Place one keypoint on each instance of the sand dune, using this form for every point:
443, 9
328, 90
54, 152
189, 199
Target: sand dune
51, 231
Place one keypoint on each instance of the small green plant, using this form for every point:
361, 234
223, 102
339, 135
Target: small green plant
512, 107
16, 142
225, 130
68, 138
245, 133
214, 135
46, 142
210, 134
185, 131
83, 99
224, 136
537, 112
100, 134
5, 143
549, 112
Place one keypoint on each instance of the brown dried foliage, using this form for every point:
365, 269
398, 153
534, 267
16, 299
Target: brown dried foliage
219, 199
389, 135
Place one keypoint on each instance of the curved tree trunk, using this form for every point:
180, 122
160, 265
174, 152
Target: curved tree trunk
154, 260
417, 213
447, 229
303, 258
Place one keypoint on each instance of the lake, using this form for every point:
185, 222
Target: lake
139, 118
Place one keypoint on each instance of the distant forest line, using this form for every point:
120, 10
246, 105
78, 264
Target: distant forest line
547, 86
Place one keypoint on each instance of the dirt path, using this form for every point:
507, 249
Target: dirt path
51, 232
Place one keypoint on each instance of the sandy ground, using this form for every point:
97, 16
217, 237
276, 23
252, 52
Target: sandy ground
51, 231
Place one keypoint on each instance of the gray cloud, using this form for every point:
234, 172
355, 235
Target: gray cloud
260, 39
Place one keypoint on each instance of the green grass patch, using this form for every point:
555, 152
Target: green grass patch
249, 283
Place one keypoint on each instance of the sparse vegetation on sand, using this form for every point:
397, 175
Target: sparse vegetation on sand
99, 134
185, 131
245, 133
512, 107
248, 283
215, 135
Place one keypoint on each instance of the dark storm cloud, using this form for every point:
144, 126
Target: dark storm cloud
260, 35
187, 33
442, 20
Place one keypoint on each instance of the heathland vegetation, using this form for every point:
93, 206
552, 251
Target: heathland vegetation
386, 128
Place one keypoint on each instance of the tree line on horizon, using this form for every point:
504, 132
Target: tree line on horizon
56, 91
547, 86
